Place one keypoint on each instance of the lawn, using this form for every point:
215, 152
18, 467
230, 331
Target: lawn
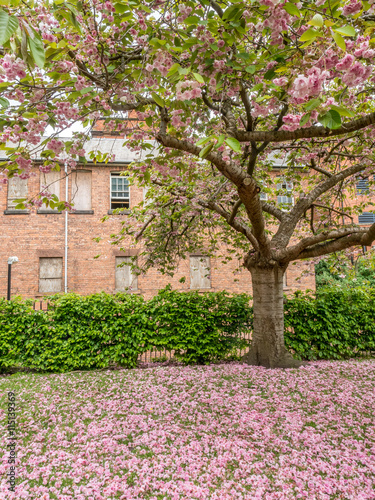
206, 432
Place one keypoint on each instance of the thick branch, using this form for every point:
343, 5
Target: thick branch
294, 252
339, 244
305, 133
272, 210
287, 227
231, 172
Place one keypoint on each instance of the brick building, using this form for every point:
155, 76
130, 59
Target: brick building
56, 250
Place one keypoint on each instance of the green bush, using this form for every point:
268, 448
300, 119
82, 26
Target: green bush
338, 323
76, 333
83, 332
199, 327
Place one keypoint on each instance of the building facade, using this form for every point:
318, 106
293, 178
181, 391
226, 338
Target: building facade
57, 251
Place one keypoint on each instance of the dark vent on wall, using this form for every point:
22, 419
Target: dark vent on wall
366, 218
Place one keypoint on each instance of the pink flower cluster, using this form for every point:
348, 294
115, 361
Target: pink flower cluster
352, 8
310, 85
12, 67
189, 89
185, 12
162, 62
56, 146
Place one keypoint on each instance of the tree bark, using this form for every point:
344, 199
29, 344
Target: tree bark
267, 346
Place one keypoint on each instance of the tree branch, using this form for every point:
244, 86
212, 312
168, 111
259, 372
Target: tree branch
234, 211
305, 133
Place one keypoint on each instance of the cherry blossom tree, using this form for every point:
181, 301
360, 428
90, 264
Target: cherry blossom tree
212, 94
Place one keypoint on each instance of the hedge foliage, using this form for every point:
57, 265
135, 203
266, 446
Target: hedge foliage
337, 323
83, 332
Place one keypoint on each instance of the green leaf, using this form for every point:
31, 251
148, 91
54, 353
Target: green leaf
331, 120
250, 69
8, 25
149, 121
86, 90
309, 35
4, 103
233, 144
343, 111
203, 141
312, 104
204, 152
345, 30
158, 99
305, 118
340, 42
317, 20
198, 77
220, 141
292, 9
37, 51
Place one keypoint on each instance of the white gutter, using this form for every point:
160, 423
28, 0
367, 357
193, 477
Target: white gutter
66, 233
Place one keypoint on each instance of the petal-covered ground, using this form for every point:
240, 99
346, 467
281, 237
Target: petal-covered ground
209, 432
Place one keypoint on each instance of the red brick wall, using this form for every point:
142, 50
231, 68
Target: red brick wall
33, 235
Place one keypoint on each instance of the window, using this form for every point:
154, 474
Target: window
285, 199
366, 218
263, 196
200, 272
50, 274
119, 191
52, 181
362, 186
17, 189
124, 277
81, 190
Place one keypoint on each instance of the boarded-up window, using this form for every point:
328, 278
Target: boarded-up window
124, 277
17, 188
50, 274
200, 272
81, 190
52, 181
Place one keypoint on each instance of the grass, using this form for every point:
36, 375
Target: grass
205, 432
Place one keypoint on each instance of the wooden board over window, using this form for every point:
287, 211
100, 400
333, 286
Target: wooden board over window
200, 272
17, 188
50, 274
52, 180
124, 277
81, 190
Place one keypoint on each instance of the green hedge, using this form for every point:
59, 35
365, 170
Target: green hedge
337, 323
83, 332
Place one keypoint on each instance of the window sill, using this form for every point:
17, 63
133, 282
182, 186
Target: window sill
124, 212
48, 212
12, 211
82, 212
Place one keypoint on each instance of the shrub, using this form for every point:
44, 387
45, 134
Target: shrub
200, 328
338, 323
83, 332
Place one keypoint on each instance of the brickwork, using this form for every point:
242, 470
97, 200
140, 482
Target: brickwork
34, 235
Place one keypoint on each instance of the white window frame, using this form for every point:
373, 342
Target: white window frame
288, 201
117, 174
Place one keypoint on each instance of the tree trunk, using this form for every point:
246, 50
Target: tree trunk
267, 346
